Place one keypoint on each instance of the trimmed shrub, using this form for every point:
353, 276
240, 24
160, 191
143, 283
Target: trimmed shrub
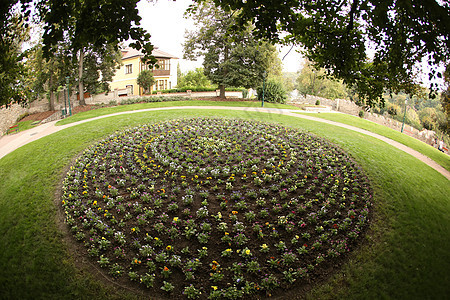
273, 92
317, 102
361, 114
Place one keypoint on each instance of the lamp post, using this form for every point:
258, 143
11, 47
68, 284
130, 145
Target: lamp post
264, 88
68, 95
65, 104
404, 115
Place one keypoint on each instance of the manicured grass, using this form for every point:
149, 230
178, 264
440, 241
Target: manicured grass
25, 125
425, 149
405, 254
132, 107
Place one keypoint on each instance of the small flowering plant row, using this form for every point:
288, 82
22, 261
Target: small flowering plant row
216, 208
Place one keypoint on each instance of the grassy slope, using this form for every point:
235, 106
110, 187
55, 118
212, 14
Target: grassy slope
425, 149
406, 254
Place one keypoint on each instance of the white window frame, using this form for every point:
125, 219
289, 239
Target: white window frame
129, 66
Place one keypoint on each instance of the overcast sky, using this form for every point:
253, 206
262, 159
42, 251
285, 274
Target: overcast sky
165, 22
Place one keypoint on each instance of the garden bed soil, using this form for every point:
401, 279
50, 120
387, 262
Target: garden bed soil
44, 115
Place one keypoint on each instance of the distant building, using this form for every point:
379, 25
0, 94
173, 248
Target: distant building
126, 77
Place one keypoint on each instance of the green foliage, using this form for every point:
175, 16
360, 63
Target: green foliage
314, 82
393, 109
445, 100
288, 79
145, 80
13, 33
153, 99
361, 114
336, 35
195, 89
232, 56
273, 92
196, 78
100, 62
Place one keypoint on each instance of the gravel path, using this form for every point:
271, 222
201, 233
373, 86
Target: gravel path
10, 143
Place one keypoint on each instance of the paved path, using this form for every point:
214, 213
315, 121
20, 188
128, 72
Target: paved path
9, 143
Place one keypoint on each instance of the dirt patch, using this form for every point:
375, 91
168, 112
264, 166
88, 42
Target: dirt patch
83, 108
44, 115
39, 116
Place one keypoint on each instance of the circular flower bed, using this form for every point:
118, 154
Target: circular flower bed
215, 208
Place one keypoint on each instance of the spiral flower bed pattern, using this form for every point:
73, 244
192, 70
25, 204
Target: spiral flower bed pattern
215, 208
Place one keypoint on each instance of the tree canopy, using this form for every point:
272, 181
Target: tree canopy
82, 25
193, 78
372, 45
314, 82
145, 80
231, 57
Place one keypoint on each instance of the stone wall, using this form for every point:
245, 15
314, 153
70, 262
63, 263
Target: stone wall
8, 116
349, 107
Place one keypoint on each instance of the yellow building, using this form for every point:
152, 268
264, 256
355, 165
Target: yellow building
126, 77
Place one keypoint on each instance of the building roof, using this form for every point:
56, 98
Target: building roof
129, 52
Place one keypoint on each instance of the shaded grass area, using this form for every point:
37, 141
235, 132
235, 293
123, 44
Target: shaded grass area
22, 126
405, 255
132, 107
427, 150
25, 125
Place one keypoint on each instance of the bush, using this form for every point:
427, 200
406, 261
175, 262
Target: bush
273, 92
317, 102
393, 109
22, 116
195, 89
428, 123
151, 99
361, 114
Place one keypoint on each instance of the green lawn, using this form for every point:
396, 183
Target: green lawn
425, 149
405, 255
139, 106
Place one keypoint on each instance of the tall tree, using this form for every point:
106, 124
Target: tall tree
314, 82
81, 24
145, 80
47, 75
231, 57
373, 45
87, 24
99, 68
445, 100
13, 33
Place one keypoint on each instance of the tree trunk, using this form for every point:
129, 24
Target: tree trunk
222, 91
80, 77
225, 73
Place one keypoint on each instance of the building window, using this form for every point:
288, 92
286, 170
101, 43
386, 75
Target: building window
163, 64
128, 69
130, 87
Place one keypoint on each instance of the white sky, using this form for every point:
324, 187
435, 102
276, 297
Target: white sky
165, 22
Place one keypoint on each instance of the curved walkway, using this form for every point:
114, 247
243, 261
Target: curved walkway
10, 143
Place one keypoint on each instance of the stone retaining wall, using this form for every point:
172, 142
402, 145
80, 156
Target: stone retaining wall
349, 107
8, 116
